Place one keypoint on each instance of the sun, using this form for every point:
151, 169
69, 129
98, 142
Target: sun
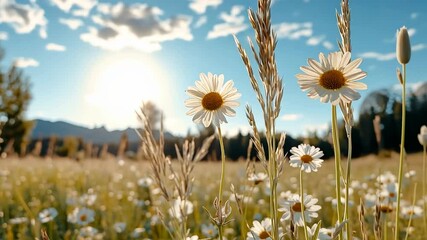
118, 85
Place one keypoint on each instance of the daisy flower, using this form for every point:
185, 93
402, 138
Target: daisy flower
209, 231
411, 212
48, 215
181, 209
292, 207
257, 178
333, 79
389, 193
260, 230
119, 227
89, 233
211, 100
306, 157
82, 216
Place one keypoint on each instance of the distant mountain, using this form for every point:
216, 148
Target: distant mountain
45, 129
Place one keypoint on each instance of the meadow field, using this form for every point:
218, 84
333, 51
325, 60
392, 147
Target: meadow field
282, 188
108, 199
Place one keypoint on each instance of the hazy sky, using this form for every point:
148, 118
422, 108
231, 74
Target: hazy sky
92, 62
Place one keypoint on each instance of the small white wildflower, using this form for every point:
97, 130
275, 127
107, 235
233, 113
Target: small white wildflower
306, 157
292, 207
48, 215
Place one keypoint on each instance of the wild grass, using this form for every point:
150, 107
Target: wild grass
116, 193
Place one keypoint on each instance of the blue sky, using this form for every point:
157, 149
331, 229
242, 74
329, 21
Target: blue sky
92, 62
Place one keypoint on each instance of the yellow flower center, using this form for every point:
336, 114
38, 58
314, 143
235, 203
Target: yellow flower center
386, 209
264, 235
306, 158
83, 218
212, 101
332, 80
296, 207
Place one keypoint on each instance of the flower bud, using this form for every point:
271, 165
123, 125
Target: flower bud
422, 137
403, 46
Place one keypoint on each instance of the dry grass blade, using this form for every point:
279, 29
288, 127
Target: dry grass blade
377, 222
44, 235
343, 21
269, 101
256, 138
153, 151
252, 78
362, 220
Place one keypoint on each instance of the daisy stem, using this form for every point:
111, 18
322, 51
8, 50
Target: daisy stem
221, 184
347, 184
424, 189
402, 153
385, 226
301, 189
411, 214
337, 153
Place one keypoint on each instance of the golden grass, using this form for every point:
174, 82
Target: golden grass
29, 186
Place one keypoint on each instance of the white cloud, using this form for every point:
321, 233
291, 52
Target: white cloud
391, 55
414, 15
293, 31
328, 45
201, 21
411, 32
24, 18
291, 117
72, 23
378, 56
200, 6
3, 36
135, 26
233, 23
315, 40
55, 47
83, 6
25, 62
418, 47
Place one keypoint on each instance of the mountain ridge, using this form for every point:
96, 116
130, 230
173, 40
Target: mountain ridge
98, 135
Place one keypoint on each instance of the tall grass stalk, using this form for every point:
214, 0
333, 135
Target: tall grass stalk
347, 185
424, 188
221, 184
301, 186
343, 22
337, 153
402, 154
270, 101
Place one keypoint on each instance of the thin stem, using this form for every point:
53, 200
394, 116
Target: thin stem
269, 124
347, 184
412, 212
301, 188
337, 153
385, 226
221, 184
424, 189
402, 153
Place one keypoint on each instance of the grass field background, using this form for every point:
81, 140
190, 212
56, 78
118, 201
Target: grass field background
125, 204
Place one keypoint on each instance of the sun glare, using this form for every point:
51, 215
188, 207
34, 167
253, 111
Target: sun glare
118, 86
